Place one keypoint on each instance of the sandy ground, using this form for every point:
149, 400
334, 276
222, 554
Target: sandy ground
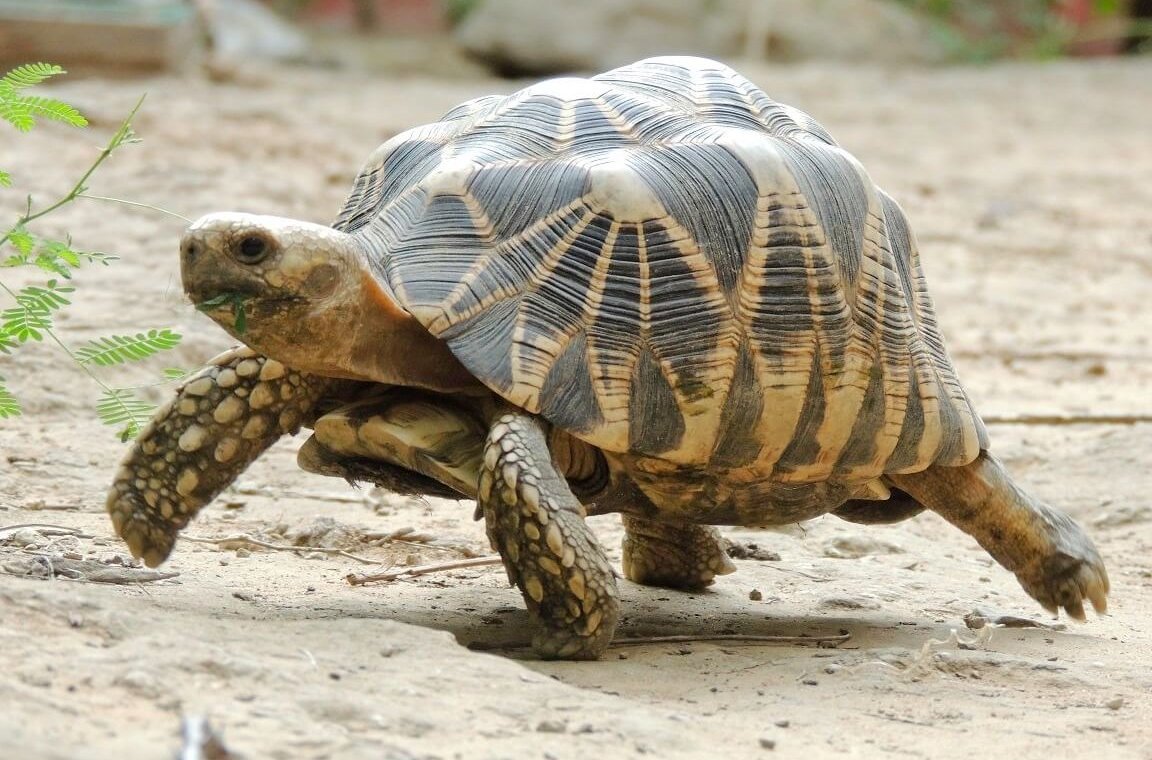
1028, 186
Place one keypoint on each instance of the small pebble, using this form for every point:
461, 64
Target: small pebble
755, 595
766, 743
810, 682
551, 726
27, 537
1115, 703
243, 553
783, 723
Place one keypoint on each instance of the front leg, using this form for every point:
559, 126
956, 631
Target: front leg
538, 527
221, 419
1055, 562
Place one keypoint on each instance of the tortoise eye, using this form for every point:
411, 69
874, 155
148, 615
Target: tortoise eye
252, 249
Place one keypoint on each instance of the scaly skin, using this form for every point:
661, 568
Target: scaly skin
672, 554
221, 419
1055, 562
538, 527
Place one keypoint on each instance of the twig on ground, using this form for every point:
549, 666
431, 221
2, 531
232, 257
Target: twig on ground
339, 498
404, 573
793, 571
839, 638
42, 506
737, 638
898, 719
408, 536
46, 529
40, 565
230, 542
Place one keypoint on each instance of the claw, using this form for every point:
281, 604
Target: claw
1075, 611
1099, 598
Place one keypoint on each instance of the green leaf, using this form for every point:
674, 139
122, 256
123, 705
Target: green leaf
57, 257
21, 111
5, 179
55, 110
236, 301
121, 349
119, 406
29, 75
23, 240
32, 315
174, 373
9, 406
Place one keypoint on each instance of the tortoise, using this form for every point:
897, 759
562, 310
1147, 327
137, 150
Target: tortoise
654, 291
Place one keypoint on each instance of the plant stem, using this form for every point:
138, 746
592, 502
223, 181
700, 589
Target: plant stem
115, 142
134, 203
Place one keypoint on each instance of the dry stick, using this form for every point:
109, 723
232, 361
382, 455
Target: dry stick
408, 536
39, 506
738, 637
334, 497
412, 572
689, 639
246, 539
57, 529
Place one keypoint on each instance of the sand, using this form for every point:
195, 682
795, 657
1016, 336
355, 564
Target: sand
1027, 186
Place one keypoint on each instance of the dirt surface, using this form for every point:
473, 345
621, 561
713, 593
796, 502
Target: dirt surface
1028, 187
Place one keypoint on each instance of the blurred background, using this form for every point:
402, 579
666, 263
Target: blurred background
1014, 133
468, 38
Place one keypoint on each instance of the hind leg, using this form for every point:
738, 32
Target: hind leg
1055, 562
672, 554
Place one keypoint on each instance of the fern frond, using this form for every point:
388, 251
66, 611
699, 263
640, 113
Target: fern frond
32, 316
48, 298
8, 342
9, 406
15, 112
21, 111
174, 373
29, 75
5, 179
119, 406
55, 110
121, 349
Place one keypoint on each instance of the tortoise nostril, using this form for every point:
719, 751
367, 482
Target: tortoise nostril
191, 249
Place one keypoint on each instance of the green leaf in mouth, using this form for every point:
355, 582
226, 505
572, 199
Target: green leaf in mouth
236, 301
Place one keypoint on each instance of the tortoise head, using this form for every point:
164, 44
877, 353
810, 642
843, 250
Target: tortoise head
305, 295
268, 280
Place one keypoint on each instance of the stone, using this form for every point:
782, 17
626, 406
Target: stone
540, 37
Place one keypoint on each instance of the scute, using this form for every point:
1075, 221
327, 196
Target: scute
665, 262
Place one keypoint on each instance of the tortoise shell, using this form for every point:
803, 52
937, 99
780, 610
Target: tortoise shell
665, 262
